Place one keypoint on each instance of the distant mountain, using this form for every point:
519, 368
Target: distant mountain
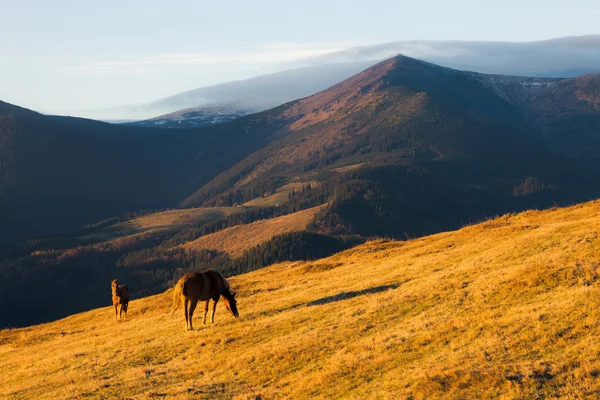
256, 94
195, 117
562, 57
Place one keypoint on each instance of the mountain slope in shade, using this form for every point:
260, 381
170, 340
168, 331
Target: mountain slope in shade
59, 173
503, 309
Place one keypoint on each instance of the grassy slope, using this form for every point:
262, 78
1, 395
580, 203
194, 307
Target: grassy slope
507, 309
238, 238
162, 220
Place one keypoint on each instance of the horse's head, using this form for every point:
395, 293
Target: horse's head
231, 303
114, 286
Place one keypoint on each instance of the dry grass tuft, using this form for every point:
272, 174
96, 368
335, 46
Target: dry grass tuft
505, 309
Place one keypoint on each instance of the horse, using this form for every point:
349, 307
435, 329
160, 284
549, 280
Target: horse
120, 298
194, 287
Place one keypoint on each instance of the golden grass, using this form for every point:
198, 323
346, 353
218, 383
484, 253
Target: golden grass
235, 240
348, 168
509, 308
163, 220
281, 195
180, 217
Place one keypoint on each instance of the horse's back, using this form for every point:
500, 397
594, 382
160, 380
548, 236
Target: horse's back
201, 285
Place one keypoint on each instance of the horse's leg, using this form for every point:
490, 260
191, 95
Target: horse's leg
212, 318
116, 312
192, 308
186, 302
205, 311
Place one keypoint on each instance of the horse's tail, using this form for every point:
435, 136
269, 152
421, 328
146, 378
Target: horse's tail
178, 291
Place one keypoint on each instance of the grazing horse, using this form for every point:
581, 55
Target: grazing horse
120, 298
194, 287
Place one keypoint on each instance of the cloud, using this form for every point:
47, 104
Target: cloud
271, 54
320, 45
578, 54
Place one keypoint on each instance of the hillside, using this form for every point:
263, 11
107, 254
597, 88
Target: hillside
235, 240
150, 251
159, 221
504, 309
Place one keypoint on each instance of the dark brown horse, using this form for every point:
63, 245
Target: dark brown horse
194, 287
120, 298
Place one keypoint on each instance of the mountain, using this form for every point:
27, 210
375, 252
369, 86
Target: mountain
195, 117
561, 57
423, 148
504, 309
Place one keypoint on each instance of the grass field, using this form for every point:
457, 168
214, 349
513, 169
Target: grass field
236, 239
509, 308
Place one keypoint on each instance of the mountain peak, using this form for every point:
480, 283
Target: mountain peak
403, 61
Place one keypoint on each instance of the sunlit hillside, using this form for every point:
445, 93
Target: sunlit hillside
163, 220
509, 308
236, 239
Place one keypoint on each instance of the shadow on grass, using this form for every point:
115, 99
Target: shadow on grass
348, 295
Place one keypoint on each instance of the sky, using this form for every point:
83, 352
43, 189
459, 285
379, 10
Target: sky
66, 56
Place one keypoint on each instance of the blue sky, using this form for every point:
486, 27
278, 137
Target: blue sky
64, 56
